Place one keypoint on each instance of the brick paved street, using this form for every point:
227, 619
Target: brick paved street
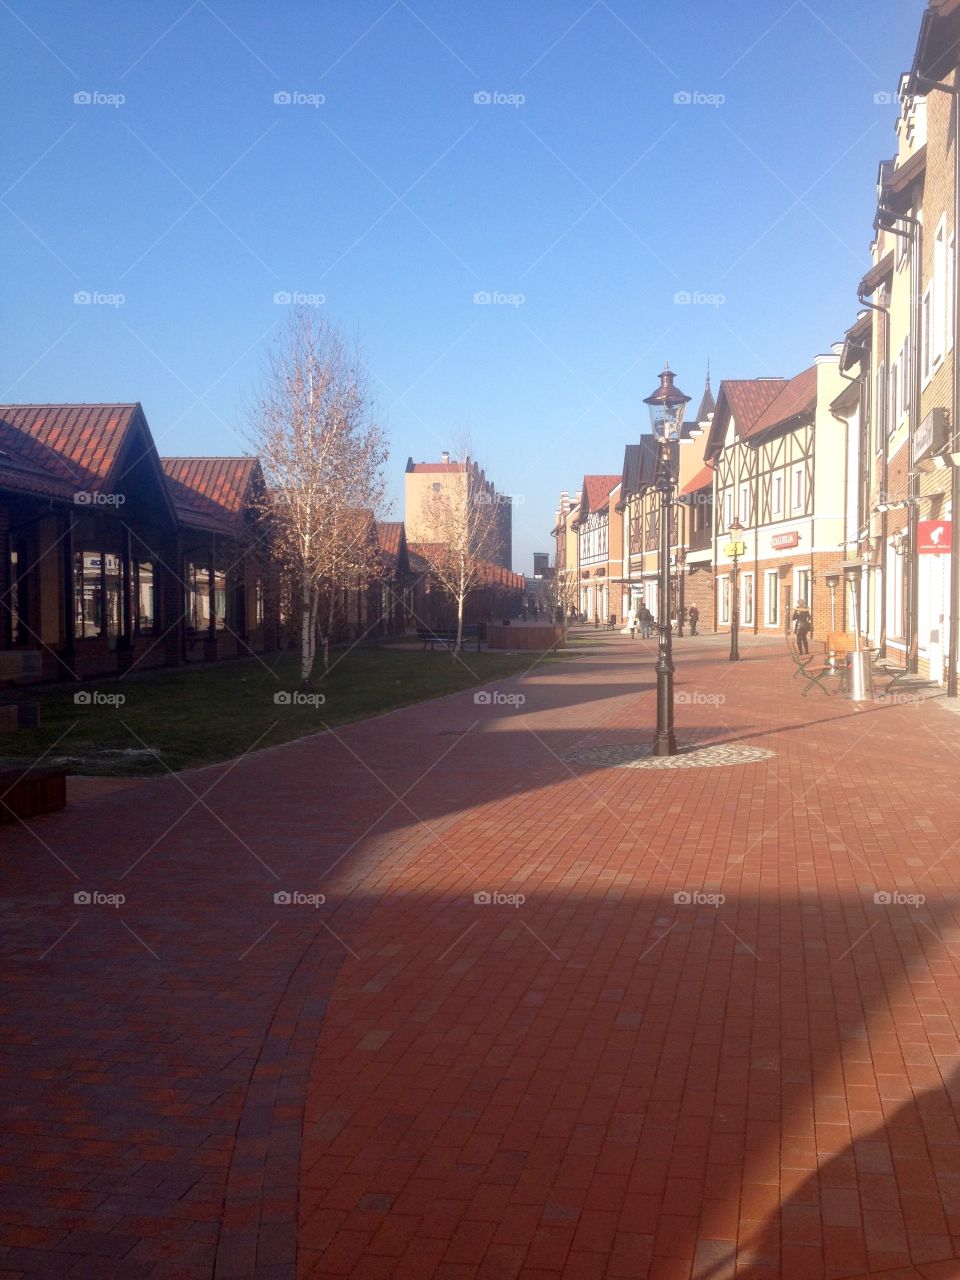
403, 1081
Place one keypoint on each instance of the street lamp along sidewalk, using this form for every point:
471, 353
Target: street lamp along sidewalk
667, 405
735, 548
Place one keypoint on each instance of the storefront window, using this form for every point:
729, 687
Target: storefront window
220, 599
723, 587
88, 593
197, 581
746, 598
145, 595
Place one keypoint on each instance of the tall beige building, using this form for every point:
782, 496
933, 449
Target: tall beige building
423, 479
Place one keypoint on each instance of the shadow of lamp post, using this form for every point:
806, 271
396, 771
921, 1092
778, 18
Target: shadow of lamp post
667, 405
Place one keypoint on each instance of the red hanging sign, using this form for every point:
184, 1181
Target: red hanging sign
781, 540
933, 537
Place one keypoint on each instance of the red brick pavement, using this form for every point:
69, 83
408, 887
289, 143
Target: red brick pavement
601, 1081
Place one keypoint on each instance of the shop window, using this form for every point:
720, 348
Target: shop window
723, 602
145, 596
771, 594
746, 598
197, 589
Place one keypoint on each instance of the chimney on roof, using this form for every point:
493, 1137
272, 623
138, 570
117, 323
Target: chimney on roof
445, 456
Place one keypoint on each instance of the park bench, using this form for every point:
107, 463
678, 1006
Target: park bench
447, 636
900, 677
26, 792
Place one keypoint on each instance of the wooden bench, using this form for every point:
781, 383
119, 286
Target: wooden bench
26, 792
447, 636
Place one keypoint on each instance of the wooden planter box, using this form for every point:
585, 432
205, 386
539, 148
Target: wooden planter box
537, 639
26, 792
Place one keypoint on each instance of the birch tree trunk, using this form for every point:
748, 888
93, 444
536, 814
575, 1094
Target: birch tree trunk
306, 633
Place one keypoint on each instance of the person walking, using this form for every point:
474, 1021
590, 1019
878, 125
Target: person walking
646, 621
802, 626
694, 616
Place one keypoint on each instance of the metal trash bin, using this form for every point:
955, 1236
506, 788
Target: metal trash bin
860, 676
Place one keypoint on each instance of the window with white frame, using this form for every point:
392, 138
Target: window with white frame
802, 587
939, 285
893, 392
746, 598
771, 598
723, 597
948, 318
905, 377
881, 399
727, 509
744, 504
798, 495
776, 496
926, 328
895, 593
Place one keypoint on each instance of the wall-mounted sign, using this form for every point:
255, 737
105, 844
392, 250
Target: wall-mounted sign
931, 434
933, 537
735, 549
780, 541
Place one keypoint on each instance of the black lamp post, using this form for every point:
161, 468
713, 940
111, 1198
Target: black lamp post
736, 528
666, 418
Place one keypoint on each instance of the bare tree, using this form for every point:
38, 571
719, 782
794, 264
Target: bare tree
461, 520
323, 455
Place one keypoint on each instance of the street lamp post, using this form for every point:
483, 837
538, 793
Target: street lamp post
666, 406
681, 560
736, 528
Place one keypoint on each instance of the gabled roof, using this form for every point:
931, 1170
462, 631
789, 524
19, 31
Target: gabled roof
631, 469
73, 444
743, 399
760, 404
596, 493
210, 493
392, 539
60, 450
797, 397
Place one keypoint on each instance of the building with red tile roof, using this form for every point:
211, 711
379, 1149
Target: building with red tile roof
119, 561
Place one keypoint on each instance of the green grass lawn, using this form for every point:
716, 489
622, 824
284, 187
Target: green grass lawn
178, 718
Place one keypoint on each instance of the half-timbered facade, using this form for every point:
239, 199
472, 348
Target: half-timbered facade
766, 439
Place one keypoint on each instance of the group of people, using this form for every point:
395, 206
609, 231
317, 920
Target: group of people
642, 620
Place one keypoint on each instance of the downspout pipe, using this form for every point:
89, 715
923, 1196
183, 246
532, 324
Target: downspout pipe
880, 412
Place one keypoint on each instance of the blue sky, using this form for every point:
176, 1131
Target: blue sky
581, 196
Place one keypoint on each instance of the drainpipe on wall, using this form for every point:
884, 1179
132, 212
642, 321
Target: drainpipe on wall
880, 412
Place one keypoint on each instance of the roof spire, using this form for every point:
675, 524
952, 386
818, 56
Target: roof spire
707, 404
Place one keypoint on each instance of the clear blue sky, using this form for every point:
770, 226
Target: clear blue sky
597, 198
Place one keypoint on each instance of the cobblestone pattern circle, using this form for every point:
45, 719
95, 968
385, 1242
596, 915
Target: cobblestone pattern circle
636, 757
